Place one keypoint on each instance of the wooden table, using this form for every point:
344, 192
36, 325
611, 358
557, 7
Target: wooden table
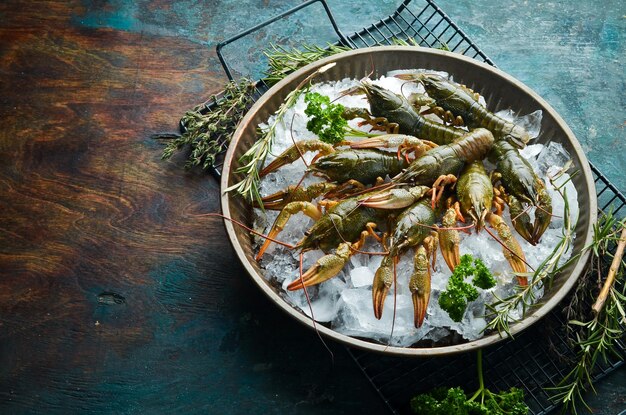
116, 294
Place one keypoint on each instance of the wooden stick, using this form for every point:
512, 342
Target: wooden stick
617, 259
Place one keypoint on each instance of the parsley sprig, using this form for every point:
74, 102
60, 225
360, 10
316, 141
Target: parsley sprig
458, 292
327, 119
442, 401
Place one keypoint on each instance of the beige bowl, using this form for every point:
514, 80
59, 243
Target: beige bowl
501, 92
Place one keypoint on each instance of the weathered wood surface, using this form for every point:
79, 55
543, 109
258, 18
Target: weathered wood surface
116, 295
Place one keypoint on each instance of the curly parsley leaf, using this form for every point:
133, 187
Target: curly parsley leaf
458, 292
443, 401
326, 118
482, 276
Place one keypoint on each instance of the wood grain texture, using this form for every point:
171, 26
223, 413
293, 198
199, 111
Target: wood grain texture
116, 294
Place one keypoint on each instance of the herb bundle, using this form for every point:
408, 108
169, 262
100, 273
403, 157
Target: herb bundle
208, 133
596, 338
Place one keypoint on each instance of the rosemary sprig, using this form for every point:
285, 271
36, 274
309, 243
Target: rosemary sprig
209, 133
597, 338
412, 42
254, 158
401, 42
282, 61
499, 316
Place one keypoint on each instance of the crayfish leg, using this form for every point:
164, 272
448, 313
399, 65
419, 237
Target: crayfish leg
290, 209
511, 248
439, 186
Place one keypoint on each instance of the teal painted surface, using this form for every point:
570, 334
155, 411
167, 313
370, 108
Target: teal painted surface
571, 53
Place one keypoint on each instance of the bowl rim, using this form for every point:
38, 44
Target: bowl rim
490, 339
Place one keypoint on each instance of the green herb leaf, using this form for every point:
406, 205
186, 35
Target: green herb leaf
451, 401
326, 118
482, 276
459, 292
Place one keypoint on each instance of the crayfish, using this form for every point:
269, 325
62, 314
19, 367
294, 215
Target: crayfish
405, 202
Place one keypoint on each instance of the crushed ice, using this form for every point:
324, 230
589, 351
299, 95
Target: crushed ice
345, 302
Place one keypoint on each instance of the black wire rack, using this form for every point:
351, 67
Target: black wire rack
536, 359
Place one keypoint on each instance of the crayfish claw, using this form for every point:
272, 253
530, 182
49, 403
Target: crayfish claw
511, 250
449, 240
520, 219
395, 198
290, 209
419, 284
383, 279
324, 268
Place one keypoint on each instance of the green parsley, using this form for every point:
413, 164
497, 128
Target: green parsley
443, 401
482, 276
326, 118
454, 401
459, 292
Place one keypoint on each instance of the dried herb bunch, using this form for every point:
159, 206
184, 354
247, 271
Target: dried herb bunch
208, 133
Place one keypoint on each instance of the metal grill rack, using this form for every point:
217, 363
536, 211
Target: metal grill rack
536, 359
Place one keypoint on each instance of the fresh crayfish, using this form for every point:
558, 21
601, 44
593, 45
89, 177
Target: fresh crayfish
341, 230
522, 185
440, 165
414, 228
343, 168
394, 113
411, 229
447, 159
459, 103
474, 193
475, 196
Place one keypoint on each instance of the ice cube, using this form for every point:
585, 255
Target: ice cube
531, 123
506, 114
361, 277
554, 154
356, 318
